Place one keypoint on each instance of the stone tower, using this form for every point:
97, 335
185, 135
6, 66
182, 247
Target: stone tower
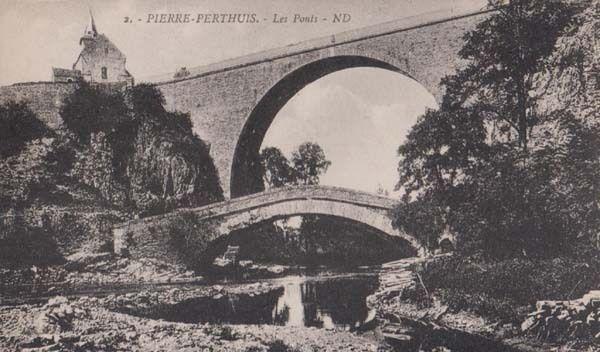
100, 61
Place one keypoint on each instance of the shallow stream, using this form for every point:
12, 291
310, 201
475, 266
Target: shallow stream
324, 302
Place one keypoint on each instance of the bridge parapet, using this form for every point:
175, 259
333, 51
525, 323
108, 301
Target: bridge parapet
154, 236
324, 42
276, 195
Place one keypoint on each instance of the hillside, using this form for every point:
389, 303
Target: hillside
114, 156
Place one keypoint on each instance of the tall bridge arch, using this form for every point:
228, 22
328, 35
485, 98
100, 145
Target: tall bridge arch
232, 103
246, 154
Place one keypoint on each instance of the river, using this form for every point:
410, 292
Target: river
331, 301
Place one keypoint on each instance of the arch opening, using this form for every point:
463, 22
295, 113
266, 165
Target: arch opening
245, 169
338, 241
312, 204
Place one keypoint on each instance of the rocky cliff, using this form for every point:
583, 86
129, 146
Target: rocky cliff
572, 78
169, 170
76, 189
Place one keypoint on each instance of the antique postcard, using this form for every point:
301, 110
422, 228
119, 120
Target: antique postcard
300, 175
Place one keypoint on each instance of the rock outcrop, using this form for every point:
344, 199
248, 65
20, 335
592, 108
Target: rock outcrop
74, 189
169, 170
560, 320
572, 80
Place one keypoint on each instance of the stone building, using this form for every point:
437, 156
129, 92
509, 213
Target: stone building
100, 61
66, 75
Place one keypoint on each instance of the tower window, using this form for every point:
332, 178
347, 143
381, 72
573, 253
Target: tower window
106, 51
104, 73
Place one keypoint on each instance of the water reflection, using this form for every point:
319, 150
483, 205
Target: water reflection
317, 302
324, 303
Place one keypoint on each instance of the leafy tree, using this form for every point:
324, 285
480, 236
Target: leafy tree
306, 166
309, 162
18, 125
484, 164
504, 53
426, 221
92, 109
146, 100
277, 169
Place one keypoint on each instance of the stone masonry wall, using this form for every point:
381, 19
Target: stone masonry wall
152, 236
44, 98
221, 100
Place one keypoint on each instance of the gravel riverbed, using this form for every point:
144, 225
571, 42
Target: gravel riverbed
90, 323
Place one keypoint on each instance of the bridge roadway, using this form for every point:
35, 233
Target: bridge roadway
224, 217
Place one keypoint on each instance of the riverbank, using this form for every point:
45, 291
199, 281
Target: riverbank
99, 324
243, 316
404, 295
101, 272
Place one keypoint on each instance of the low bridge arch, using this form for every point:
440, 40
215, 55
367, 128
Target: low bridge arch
153, 236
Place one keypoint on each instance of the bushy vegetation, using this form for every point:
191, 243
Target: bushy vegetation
91, 110
22, 246
190, 237
489, 166
507, 289
18, 125
120, 153
134, 122
516, 180
307, 164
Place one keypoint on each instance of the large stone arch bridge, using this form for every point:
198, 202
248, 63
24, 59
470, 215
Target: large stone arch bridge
233, 103
154, 236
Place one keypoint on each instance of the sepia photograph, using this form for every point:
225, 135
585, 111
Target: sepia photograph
300, 175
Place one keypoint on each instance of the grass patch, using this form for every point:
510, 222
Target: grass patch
505, 290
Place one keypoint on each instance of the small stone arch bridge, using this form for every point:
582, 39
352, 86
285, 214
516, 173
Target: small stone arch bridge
159, 236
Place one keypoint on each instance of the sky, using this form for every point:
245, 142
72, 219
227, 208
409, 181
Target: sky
359, 116
40, 34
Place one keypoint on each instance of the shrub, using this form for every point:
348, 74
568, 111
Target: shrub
188, 237
280, 346
505, 289
23, 246
18, 125
90, 110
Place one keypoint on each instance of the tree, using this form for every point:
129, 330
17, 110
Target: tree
18, 125
309, 162
92, 109
482, 164
306, 166
277, 169
422, 219
504, 53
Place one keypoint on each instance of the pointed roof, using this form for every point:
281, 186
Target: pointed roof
90, 29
